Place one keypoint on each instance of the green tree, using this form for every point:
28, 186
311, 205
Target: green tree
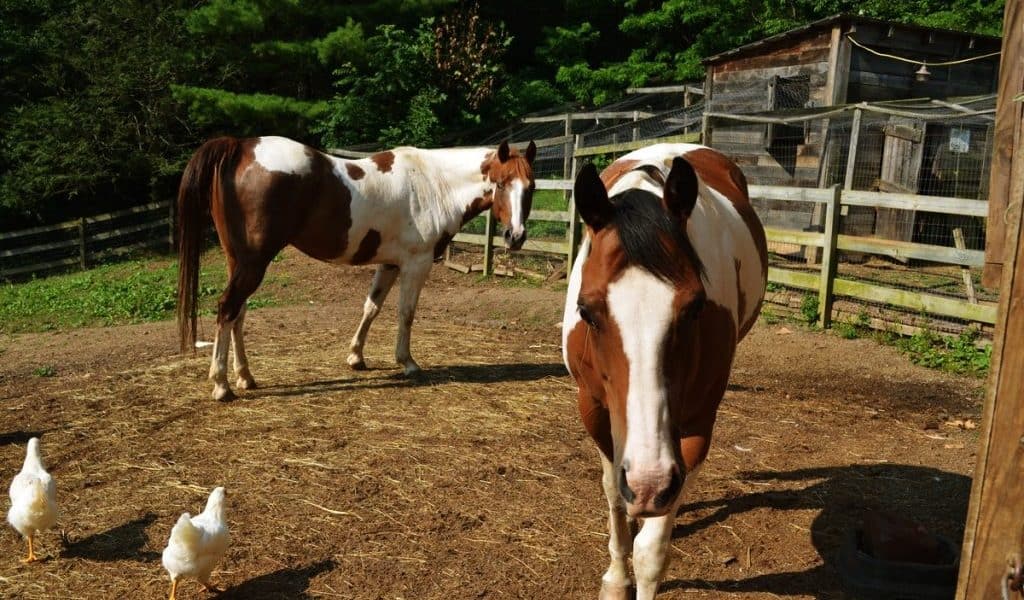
87, 118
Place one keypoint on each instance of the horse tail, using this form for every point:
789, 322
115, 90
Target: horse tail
201, 183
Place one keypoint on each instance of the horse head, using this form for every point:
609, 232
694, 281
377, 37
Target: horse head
641, 296
511, 175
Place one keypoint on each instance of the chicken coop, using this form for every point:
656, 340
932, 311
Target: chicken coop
865, 104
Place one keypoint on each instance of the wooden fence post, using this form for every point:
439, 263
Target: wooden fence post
488, 246
170, 226
705, 129
828, 258
572, 235
636, 128
81, 243
961, 244
851, 159
567, 159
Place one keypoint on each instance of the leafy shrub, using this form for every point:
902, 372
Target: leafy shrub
809, 308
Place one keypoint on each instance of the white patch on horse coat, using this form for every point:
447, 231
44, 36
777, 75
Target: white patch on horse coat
642, 306
718, 233
571, 316
282, 155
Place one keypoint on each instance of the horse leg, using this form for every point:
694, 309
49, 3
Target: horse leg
615, 584
245, 380
383, 279
414, 275
244, 280
650, 549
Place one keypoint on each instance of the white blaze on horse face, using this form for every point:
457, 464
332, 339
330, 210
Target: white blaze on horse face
641, 305
516, 200
282, 155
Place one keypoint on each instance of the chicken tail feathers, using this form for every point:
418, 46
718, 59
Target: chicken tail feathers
185, 533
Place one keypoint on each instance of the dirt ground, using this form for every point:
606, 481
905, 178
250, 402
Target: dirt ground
474, 481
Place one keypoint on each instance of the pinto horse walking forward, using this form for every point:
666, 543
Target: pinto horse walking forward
669, 279
397, 209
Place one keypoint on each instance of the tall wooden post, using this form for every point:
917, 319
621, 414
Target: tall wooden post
572, 235
488, 245
636, 128
829, 260
567, 164
170, 226
81, 243
1002, 205
994, 531
851, 159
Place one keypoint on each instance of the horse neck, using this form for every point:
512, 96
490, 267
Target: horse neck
455, 177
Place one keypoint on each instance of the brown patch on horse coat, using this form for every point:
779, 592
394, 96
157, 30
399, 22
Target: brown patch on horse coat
613, 172
383, 160
265, 211
354, 171
697, 359
708, 360
501, 173
367, 248
721, 174
479, 205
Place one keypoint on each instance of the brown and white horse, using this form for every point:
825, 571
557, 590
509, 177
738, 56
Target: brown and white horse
398, 209
669, 278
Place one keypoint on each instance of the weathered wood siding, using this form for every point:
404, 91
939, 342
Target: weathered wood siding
741, 85
874, 78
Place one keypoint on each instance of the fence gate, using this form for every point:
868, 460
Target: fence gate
902, 155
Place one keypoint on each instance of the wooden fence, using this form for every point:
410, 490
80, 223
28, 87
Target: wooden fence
85, 241
826, 285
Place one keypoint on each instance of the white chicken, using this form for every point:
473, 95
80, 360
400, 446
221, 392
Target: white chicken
198, 543
33, 498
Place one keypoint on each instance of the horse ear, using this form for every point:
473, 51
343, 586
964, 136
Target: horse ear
503, 151
680, 193
591, 198
531, 151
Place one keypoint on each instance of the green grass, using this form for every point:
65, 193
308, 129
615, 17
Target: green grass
45, 371
958, 354
127, 292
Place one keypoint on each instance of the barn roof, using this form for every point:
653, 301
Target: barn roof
827, 23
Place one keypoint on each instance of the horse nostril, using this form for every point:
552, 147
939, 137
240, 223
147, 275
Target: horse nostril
508, 235
670, 492
627, 494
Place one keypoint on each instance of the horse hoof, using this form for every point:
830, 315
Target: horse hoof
356, 362
617, 592
246, 383
412, 370
223, 394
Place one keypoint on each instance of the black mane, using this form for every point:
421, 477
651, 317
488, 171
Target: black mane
649, 233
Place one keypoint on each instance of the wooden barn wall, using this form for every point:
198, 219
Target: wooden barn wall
875, 78
740, 86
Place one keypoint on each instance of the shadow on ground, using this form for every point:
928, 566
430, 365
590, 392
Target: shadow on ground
935, 498
429, 377
123, 542
283, 583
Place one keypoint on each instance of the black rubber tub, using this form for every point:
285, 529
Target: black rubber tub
869, 578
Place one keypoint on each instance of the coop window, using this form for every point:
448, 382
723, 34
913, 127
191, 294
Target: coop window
783, 93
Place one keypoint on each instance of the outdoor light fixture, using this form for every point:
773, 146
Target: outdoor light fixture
922, 74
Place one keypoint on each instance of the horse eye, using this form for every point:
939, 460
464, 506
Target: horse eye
585, 315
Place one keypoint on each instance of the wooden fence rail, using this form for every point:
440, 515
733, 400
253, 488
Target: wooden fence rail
828, 285
75, 244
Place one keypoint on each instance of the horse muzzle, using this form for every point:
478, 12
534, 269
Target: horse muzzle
650, 493
515, 241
